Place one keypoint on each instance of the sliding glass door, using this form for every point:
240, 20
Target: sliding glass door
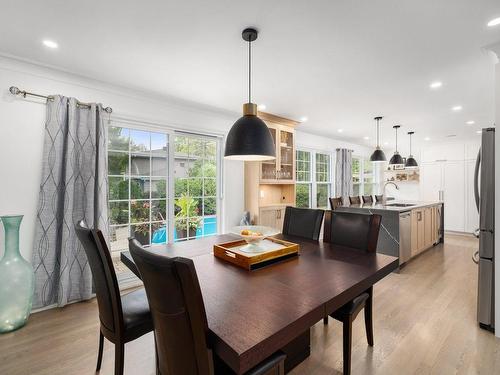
162, 186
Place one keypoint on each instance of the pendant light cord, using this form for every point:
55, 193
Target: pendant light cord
249, 71
378, 133
396, 139
410, 145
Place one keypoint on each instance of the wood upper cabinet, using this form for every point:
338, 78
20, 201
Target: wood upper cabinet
282, 169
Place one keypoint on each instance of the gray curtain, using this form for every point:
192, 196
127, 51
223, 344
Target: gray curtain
73, 187
343, 174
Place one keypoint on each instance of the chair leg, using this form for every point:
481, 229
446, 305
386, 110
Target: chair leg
99, 354
119, 358
347, 339
325, 320
369, 318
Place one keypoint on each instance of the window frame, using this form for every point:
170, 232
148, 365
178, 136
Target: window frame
363, 160
313, 182
171, 133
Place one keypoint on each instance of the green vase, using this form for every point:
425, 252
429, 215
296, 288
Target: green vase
16, 279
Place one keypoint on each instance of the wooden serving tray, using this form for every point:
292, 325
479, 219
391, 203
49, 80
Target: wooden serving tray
230, 252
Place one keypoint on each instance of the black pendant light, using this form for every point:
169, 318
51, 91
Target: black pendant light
378, 155
410, 160
396, 158
249, 137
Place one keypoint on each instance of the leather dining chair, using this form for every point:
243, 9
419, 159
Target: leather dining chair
357, 231
379, 198
354, 200
122, 318
180, 321
335, 202
367, 199
303, 222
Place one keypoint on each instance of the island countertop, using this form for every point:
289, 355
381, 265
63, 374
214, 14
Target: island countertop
394, 205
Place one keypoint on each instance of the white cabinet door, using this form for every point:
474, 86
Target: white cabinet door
472, 217
431, 177
454, 196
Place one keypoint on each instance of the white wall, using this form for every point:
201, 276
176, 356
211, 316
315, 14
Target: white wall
22, 125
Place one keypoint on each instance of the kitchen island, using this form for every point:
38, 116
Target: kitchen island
407, 228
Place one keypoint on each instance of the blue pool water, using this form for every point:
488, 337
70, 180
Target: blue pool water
209, 226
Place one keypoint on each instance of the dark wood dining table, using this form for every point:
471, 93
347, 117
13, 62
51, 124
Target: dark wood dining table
252, 314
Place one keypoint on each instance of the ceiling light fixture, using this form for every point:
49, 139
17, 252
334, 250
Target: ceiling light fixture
366, 138
396, 158
303, 119
378, 155
340, 130
494, 22
427, 139
249, 137
456, 108
50, 44
410, 160
471, 122
436, 85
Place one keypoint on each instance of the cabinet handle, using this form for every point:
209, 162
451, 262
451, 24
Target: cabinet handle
419, 216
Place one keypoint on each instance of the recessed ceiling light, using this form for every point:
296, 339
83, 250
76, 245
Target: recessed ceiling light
456, 108
386, 143
303, 119
50, 44
479, 131
494, 22
261, 107
427, 139
340, 130
366, 138
436, 85
470, 122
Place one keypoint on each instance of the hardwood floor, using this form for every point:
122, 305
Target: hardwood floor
424, 323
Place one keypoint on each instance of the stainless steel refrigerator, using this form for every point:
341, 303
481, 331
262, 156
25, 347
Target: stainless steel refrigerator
484, 191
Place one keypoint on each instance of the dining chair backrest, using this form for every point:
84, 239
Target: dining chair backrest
379, 198
354, 200
367, 199
303, 222
103, 273
335, 202
350, 229
178, 312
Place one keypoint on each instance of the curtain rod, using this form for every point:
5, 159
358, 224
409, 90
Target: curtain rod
15, 91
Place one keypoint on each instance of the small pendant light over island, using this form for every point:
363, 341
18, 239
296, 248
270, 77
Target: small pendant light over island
396, 158
410, 160
249, 138
378, 155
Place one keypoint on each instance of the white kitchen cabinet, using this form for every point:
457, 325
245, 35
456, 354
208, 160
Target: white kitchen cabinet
443, 152
431, 179
445, 180
454, 196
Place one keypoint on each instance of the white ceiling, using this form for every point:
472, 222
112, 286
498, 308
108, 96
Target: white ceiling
339, 63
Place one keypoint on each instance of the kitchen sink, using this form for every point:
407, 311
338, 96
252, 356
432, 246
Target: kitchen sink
400, 205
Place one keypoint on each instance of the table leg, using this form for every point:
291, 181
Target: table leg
297, 350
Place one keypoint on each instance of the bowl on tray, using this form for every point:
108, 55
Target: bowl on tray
253, 235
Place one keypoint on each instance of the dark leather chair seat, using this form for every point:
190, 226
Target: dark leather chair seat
136, 316
352, 307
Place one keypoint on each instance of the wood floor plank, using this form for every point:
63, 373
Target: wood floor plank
424, 323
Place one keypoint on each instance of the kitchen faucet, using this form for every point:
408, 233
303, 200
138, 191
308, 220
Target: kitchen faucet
389, 183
